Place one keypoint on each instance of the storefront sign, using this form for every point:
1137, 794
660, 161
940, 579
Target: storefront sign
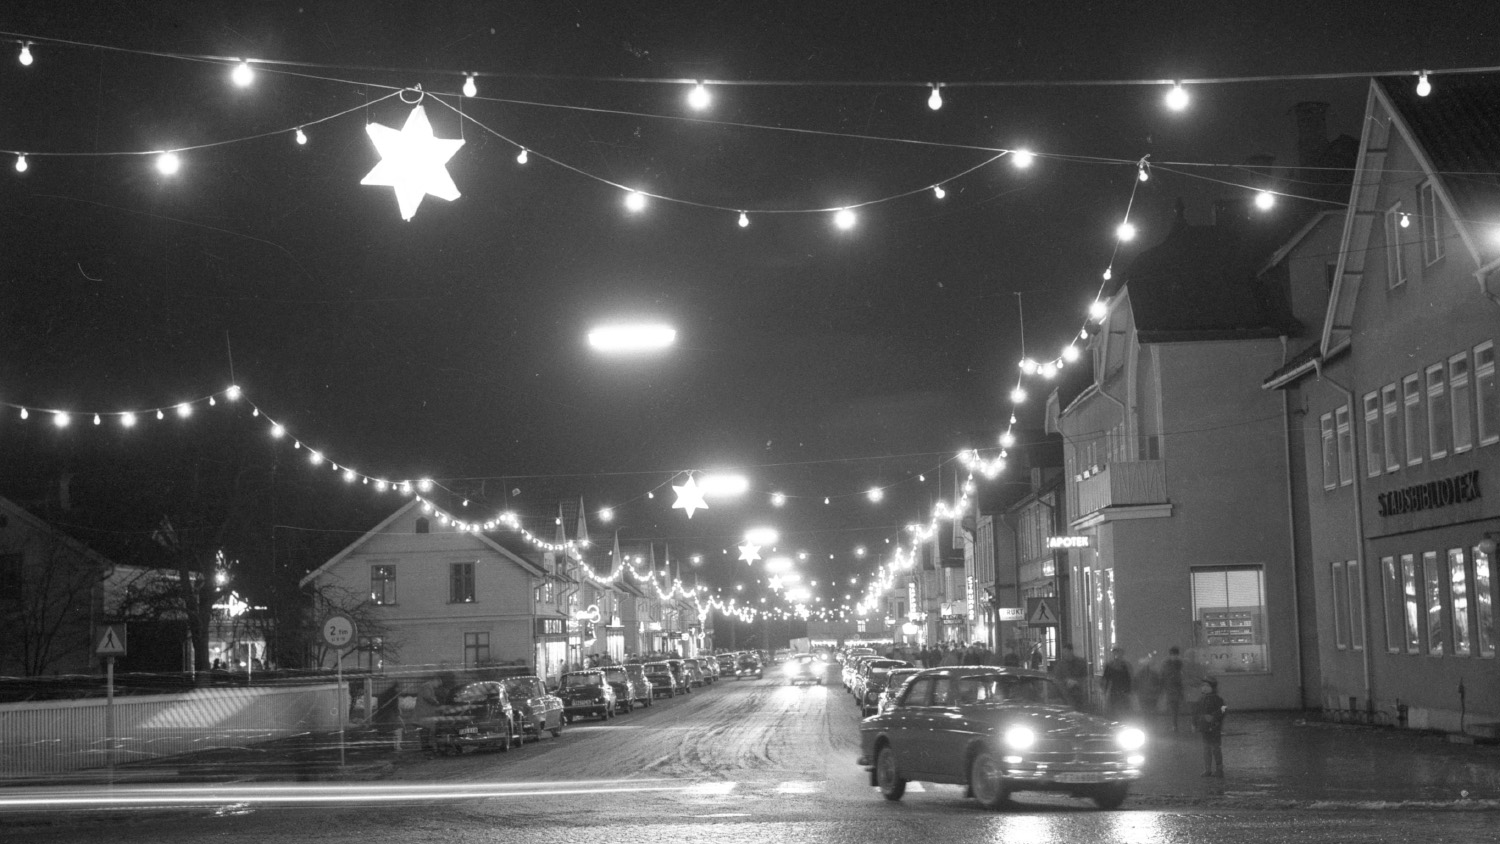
1431, 495
551, 626
1012, 613
1054, 542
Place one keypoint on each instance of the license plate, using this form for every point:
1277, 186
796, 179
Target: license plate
469, 731
1079, 778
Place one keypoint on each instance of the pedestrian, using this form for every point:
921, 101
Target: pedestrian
1171, 683
1011, 659
1208, 720
951, 656
1117, 685
1070, 671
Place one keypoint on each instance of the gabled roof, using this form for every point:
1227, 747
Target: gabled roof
479, 538
36, 523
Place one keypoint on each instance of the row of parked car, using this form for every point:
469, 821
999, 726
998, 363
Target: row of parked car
872, 679
501, 714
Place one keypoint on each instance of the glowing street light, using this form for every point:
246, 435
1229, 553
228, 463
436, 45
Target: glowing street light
630, 337
723, 484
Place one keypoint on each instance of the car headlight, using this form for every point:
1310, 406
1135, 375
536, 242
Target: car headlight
1131, 738
1019, 738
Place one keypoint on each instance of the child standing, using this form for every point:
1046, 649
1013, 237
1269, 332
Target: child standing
1208, 720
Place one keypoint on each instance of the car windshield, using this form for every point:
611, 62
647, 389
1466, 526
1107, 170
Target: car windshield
520, 687
616, 675
473, 693
1007, 688
579, 681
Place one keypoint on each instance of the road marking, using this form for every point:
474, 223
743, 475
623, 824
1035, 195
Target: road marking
711, 788
800, 787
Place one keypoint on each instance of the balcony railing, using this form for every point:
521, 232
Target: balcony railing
1121, 484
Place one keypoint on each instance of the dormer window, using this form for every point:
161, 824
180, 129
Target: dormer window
423, 526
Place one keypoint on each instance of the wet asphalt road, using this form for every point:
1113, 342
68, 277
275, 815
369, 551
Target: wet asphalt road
739, 761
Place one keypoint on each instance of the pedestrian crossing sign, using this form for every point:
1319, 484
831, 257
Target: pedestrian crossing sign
111, 641
1040, 613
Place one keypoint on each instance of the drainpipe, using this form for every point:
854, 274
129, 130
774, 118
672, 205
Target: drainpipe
1359, 522
1286, 433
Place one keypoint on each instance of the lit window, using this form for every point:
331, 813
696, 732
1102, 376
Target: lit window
1395, 267
1432, 574
1458, 587
1346, 445
1411, 387
1390, 427
1413, 604
1439, 414
383, 585
1330, 453
1229, 609
1373, 456
1486, 394
1460, 393
1484, 607
1432, 223
1391, 575
460, 583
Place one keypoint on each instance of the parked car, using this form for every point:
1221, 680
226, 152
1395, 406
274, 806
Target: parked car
850, 669
586, 692
620, 680
803, 668
685, 675
473, 716
536, 709
997, 731
727, 664
748, 667
664, 682
644, 693
707, 669
893, 684
871, 680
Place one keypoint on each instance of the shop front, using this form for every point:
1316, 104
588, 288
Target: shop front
551, 648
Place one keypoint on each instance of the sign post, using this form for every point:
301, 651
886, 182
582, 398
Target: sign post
338, 632
111, 644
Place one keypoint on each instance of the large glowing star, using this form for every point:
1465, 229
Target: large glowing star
412, 161
689, 497
749, 552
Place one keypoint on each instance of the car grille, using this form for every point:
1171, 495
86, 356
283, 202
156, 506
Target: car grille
1075, 750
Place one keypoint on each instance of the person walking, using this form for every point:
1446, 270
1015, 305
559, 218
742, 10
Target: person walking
1208, 720
1071, 671
1117, 685
1171, 683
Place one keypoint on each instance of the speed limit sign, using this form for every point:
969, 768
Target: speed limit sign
338, 631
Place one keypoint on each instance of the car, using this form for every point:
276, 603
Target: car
803, 668
586, 692
748, 667
644, 694
664, 680
871, 680
686, 677
537, 710
727, 664
474, 716
624, 687
707, 667
893, 683
850, 669
693, 673
781, 655
998, 731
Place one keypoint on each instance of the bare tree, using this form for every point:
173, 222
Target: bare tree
374, 633
49, 593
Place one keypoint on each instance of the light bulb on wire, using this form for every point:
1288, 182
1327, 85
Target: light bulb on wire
844, 219
935, 100
521, 157
1125, 231
937, 191
167, 163
1022, 158
301, 137
25, 57
243, 75
699, 98
21, 163
635, 200
1177, 98
744, 219
470, 89
1424, 87
1141, 172
1265, 200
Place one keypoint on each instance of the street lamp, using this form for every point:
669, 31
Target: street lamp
632, 337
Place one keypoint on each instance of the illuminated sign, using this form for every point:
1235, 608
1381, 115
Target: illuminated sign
1070, 541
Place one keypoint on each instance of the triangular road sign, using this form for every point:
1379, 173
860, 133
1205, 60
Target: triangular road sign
112, 642
1040, 613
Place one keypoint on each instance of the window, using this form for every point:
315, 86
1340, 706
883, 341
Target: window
1413, 607
1391, 576
1395, 268
1438, 415
1346, 445
1484, 607
1433, 594
1340, 608
1416, 443
1432, 223
10, 577
1458, 587
918, 693
476, 649
1486, 394
1373, 453
1330, 453
1459, 393
383, 585
1356, 608
423, 526
1229, 608
461, 583
1390, 424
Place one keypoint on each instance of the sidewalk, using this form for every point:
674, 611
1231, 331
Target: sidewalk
1292, 759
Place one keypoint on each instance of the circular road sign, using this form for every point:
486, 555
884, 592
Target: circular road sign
338, 630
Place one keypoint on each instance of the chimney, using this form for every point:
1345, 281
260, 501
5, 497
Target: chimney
1312, 132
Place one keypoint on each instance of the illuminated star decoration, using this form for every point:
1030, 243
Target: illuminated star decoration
775, 583
749, 552
412, 161
689, 497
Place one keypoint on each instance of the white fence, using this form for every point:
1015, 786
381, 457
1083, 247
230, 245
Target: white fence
50, 737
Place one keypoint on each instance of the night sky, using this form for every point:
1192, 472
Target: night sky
818, 362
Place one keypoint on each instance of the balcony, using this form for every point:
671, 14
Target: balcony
1121, 484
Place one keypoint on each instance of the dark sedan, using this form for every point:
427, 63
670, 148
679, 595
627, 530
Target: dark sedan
476, 715
997, 731
587, 693
664, 682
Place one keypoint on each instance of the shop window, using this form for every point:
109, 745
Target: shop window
1374, 456
1486, 394
1432, 574
1459, 392
1356, 607
1340, 607
1432, 223
1395, 267
476, 649
1330, 453
460, 583
1411, 388
1229, 610
1390, 422
383, 585
1458, 587
1391, 580
1484, 606
1346, 445
1439, 415
1413, 603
